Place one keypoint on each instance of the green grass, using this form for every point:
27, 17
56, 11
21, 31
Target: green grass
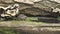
29, 19
16, 22
58, 18
6, 31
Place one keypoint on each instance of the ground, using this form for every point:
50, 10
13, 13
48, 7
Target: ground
28, 27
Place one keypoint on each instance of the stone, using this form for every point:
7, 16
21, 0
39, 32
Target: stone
56, 10
27, 1
58, 1
7, 1
22, 17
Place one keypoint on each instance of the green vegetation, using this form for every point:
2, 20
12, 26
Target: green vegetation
6, 31
58, 18
17, 22
9, 31
31, 18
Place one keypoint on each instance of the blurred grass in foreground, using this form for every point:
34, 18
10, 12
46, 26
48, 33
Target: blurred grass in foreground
58, 18
15, 21
6, 31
